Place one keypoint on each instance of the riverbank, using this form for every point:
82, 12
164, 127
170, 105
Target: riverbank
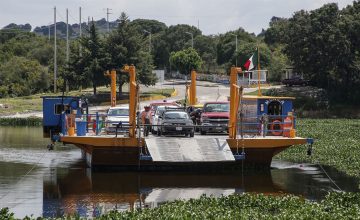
240, 206
28, 104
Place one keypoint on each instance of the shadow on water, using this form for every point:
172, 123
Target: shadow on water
60, 183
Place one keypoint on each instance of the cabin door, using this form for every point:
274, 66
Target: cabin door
275, 111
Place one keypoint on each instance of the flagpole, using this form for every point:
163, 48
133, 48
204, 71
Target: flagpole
258, 61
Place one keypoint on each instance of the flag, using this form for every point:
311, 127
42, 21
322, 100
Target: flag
252, 61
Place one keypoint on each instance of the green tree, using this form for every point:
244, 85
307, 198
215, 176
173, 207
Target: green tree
277, 32
185, 60
226, 47
91, 64
125, 46
20, 76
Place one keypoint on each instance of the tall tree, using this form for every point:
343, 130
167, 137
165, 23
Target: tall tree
93, 58
125, 46
185, 60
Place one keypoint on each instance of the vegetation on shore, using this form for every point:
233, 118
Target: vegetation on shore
30, 121
244, 206
336, 144
33, 103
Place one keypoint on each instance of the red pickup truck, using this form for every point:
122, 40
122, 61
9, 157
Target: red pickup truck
215, 117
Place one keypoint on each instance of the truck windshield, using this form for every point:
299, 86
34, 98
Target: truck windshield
217, 107
176, 115
118, 112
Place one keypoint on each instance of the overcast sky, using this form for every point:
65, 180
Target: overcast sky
212, 16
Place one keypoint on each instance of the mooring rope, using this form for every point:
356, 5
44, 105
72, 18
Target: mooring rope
26, 174
328, 176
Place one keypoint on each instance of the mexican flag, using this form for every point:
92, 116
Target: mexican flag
252, 61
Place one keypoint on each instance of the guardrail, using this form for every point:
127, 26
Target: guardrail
97, 124
267, 125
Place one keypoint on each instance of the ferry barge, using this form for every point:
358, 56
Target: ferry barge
259, 128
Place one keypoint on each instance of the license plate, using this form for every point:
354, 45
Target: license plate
218, 128
178, 128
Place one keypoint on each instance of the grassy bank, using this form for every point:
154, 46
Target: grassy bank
31, 121
32, 103
337, 144
246, 206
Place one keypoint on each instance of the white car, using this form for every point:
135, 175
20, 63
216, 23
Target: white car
159, 111
117, 116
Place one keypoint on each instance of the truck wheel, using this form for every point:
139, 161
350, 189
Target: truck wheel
202, 132
192, 133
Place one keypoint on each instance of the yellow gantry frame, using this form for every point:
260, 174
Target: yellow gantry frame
133, 98
192, 90
235, 95
113, 86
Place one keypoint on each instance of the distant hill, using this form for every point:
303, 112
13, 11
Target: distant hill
74, 29
20, 27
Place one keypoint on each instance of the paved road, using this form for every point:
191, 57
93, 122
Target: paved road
206, 91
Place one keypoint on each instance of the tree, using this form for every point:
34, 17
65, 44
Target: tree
185, 60
226, 47
27, 78
124, 46
206, 47
93, 59
276, 33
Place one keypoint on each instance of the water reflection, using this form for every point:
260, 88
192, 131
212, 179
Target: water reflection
35, 181
92, 193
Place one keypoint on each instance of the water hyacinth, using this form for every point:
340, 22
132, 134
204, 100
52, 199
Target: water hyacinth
30, 121
244, 206
337, 144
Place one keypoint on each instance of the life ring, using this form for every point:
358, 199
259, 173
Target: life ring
274, 130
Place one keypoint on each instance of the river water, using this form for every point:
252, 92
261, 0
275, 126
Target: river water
38, 182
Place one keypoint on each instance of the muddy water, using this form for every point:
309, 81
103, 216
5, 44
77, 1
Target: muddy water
53, 183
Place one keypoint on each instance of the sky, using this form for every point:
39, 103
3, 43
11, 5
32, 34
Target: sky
211, 16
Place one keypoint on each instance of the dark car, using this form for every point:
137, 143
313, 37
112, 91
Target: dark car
176, 122
296, 81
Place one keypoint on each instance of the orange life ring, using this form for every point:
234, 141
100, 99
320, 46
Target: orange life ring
276, 131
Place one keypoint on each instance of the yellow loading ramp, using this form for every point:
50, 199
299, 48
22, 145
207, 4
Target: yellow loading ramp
182, 149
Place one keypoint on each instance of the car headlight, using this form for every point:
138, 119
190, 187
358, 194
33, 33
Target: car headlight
165, 123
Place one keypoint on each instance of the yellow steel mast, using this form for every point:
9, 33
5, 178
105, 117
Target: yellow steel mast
113, 86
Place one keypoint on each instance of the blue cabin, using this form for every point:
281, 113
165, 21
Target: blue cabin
53, 107
275, 109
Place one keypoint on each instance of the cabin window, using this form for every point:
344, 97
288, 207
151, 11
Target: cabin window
59, 108
274, 108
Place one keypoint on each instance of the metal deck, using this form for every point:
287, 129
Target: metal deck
197, 149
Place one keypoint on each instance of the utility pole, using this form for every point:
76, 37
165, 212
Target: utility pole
192, 39
80, 31
149, 39
55, 58
89, 26
67, 35
236, 48
107, 19
67, 47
